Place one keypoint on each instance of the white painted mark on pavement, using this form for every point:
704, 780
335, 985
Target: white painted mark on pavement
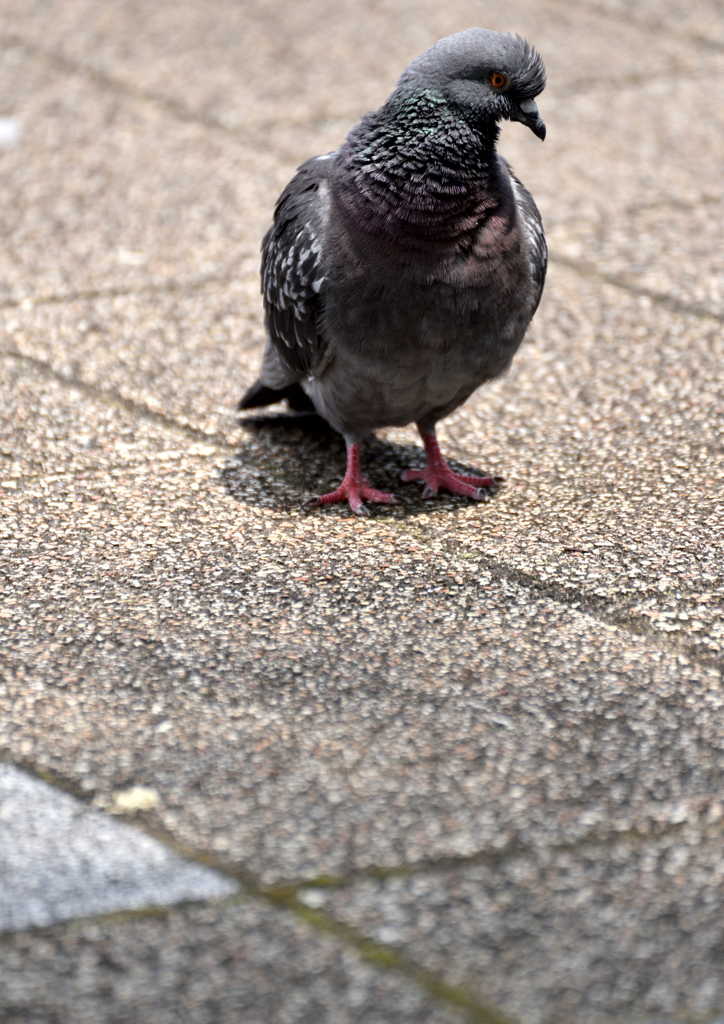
60, 859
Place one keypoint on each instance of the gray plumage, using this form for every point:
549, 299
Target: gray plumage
402, 271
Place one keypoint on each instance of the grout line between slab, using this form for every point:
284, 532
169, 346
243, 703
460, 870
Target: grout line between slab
170, 285
387, 958
256, 139
178, 110
118, 85
602, 610
669, 302
488, 857
114, 399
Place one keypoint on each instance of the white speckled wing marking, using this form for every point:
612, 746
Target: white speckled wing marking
292, 267
530, 218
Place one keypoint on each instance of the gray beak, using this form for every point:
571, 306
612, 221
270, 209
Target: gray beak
529, 116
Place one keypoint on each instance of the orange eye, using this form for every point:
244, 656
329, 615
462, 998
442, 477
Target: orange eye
497, 79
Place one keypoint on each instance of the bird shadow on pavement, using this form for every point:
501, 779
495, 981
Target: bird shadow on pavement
284, 460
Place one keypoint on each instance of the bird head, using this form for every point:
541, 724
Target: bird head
494, 76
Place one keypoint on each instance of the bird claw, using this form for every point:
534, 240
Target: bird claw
485, 483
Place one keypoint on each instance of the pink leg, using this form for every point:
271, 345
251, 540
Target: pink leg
437, 474
355, 488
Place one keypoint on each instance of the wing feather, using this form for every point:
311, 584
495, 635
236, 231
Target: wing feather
292, 267
533, 227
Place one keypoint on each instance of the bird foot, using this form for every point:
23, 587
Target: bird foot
356, 495
355, 489
475, 487
437, 476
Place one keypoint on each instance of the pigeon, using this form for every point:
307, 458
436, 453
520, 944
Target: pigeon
402, 270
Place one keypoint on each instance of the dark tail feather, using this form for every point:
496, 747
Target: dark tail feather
259, 394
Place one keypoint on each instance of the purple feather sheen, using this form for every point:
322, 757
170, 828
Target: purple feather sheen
418, 175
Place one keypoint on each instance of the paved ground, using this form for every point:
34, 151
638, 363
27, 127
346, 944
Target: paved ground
457, 762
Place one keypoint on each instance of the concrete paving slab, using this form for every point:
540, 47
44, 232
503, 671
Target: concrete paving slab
59, 859
626, 931
242, 964
669, 251
183, 354
643, 193
315, 695
108, 193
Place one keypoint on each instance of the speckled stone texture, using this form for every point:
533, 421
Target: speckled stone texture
463, 759
241, 964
